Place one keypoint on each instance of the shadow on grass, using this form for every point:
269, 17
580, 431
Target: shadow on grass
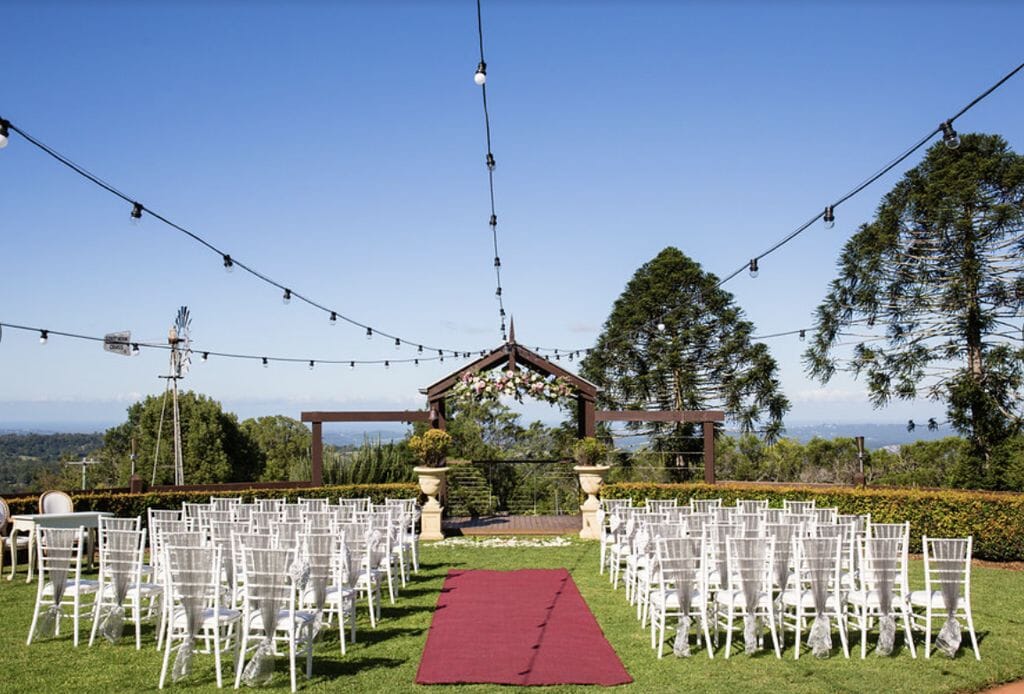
352, 665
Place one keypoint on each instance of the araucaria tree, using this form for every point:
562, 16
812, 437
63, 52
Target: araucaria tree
676, 341
935, 284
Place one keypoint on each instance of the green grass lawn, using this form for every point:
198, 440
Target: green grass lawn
386, 659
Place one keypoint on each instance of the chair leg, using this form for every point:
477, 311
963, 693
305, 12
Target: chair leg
167, 655
863, 632
843, 638
798, 626
906, 631
928, 630
707, 634
970, 628
728, 630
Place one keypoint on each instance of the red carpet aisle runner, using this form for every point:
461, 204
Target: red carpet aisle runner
527, 627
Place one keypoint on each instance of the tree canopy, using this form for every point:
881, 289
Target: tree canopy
933, 287
214, 448
675, 340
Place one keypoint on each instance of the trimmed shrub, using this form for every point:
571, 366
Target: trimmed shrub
130, 505
996, 520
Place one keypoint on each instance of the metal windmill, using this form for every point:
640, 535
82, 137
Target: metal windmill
179, 337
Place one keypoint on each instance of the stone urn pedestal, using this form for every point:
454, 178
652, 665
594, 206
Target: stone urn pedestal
431, 481
591, 481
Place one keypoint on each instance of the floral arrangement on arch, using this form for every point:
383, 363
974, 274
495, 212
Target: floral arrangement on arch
515, 383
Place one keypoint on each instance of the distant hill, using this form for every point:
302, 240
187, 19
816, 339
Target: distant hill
22, 455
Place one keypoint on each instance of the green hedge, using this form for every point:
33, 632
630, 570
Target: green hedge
128, 505
996, 520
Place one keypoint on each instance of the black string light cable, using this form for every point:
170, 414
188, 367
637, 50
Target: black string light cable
136, 346
481, 80
230, 262
949, 136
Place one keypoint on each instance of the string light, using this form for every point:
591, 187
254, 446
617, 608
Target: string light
661, 326
829, 217
753, 267
135, 349
351, 365
136, 212
398, 343
334, 318
311, 364
481, 80
369, 333
949, 135
44, 335
4, 132
803, 334
265, 363
387, 364
286, 298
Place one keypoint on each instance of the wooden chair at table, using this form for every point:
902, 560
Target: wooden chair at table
6, 540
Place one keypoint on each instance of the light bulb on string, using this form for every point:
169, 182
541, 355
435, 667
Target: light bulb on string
265, 363
135, 350
206, 356
490, 165
419, 349
334, 318
311, 364
136, 213
398, 343
480, 76
286, 298
4, 132
661, 326
949, 135
351, 365
44, 335
753, 267
387, 364
229, 264
829, 217
369, 333
416, 362
803, 334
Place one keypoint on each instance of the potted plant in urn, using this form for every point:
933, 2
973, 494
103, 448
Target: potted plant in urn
430, 448
589, 454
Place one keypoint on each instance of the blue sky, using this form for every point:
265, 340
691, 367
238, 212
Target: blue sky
339, 148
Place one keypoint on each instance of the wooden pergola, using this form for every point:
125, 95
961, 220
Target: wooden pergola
512, 355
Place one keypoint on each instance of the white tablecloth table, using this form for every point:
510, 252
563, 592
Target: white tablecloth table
28, 522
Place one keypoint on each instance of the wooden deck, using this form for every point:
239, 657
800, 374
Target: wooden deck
513, 525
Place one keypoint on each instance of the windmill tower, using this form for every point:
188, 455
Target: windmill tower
179, 338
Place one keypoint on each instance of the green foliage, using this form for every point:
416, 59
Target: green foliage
430, 447
676, 341
590, 451
371, 463
996, 520
283, 444
940, 272
26, 457
214, 448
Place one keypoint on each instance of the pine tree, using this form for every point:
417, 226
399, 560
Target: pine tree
675, 340
935, 287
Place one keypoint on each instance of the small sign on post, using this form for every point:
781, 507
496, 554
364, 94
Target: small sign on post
118, 343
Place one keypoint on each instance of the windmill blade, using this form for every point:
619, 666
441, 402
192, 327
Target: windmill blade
184, 325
